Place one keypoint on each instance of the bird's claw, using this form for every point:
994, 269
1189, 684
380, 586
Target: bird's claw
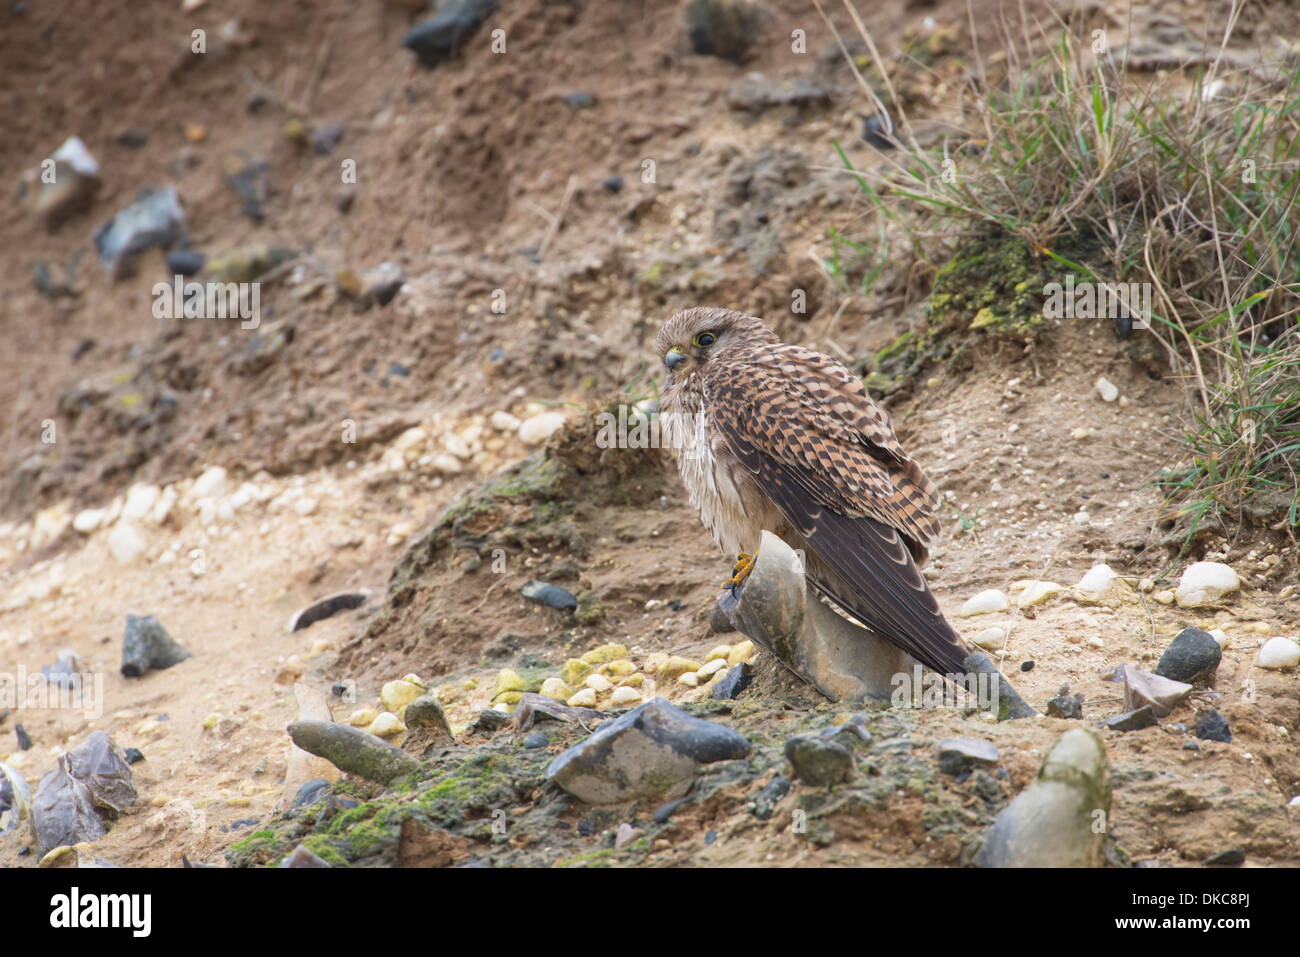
739, 572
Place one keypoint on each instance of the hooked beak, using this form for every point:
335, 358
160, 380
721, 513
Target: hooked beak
674, 358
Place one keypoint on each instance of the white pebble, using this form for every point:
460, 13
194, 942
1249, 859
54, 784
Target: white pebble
598, 683
1279, 652
1096, 583
210, 484
586, 698
540, 427
625, 696
985, 602
1205, 582
125, 543
990, 639
1107, 389
140, 500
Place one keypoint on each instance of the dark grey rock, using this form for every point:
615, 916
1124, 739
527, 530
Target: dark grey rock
66, 670
311, 792
612, 184
440, 37
964, 754
1212, 726
733, 683
579, 100
24, 739
353, 750
537, 739
148, 647
650, 752
90, 786
1143, 717
326, 138
1192, 657
665, 811
766, 800
133, 139
552, 595
154, 219
1054, 822
818, 762
185, 262
722, 619
1232, 858
250, 180
102, 767
877, 132
133, 755
724, 28
326, 607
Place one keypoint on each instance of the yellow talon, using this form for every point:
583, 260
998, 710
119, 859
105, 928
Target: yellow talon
744, 565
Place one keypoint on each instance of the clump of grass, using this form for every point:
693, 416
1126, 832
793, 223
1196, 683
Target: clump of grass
1189, 183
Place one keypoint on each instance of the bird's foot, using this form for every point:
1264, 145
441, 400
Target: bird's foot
739, 572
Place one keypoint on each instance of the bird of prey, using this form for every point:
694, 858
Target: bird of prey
774, 436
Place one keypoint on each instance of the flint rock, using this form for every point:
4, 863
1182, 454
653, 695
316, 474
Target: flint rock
154, 219
90, 786
650, 752
148, 647
1192, 657
439, 37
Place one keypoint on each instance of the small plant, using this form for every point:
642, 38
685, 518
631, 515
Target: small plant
1186, 185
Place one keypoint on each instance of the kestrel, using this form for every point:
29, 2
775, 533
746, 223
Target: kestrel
778, 437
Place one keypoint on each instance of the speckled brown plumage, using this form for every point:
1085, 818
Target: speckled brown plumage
778, 437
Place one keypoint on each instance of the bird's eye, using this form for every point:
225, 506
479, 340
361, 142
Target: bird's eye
704, 340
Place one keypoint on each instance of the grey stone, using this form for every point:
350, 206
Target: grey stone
817, 761
1212, 726
148, 647
1193, 657
1054, 822
154, 219
1143, 717
327, 607
439, 37
733, 683
185, 262
552, 595
650, 752
963, 754
353, 750
90, 786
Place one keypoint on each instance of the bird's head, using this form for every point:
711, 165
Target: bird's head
692, 338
